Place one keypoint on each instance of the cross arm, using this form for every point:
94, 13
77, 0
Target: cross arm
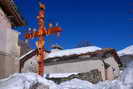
54, 30
34, 34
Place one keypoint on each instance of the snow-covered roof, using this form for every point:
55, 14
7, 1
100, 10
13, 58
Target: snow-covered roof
26, 54
66, 52
126, 51
76, 51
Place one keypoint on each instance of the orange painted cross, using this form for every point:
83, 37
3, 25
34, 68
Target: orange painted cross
41, 33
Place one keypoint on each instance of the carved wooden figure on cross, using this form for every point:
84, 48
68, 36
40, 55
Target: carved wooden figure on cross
41, 33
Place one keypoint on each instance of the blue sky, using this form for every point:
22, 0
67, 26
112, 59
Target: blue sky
102, 22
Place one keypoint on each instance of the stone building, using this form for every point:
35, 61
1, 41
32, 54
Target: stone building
9, 49
78, 60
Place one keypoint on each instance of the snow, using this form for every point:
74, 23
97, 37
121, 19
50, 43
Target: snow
26, 80
126, 51
69, 52
26, 54
76, 84
60, 75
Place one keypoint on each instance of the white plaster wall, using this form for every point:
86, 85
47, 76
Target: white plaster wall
9, 47
30, 65
109, 74
12, 42
8, 36
4, 25
82, 66
114, 65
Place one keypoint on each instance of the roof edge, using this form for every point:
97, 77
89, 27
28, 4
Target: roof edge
9, 7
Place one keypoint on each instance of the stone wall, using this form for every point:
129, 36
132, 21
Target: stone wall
126, 59
93, 76
39, 86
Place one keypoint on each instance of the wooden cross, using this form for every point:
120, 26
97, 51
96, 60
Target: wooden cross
41, 33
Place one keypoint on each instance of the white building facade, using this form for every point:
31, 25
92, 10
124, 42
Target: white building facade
9, 49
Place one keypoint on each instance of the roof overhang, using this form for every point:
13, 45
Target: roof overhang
9, 7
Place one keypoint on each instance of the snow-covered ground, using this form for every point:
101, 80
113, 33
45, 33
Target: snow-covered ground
126, 51
26, 80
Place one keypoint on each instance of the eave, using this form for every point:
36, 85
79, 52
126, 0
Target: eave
12, 13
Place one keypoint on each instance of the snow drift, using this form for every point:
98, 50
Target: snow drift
27, 80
